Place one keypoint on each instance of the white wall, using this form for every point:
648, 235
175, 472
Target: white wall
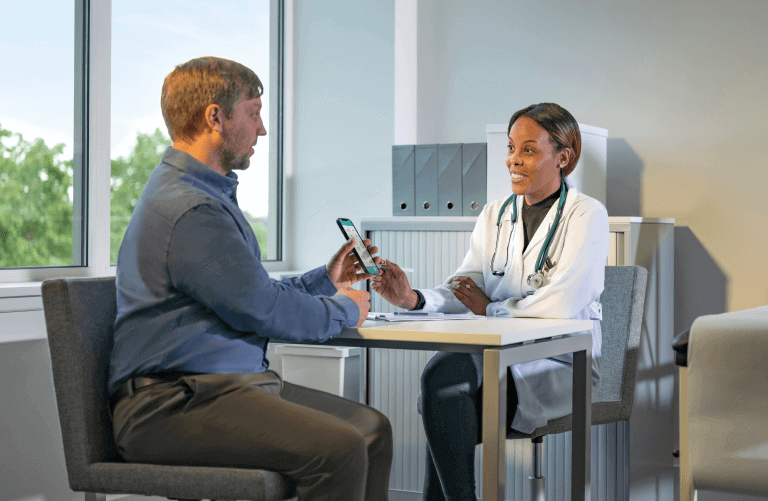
343, 122
680, 85
31, 453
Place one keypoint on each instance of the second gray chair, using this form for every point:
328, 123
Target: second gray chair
623, 299
79, 314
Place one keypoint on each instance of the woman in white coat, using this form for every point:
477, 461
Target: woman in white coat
520, 268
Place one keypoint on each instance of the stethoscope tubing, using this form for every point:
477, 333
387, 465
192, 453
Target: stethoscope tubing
535, 279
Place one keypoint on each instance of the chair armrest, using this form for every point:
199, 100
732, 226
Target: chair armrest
680, 345
728, 402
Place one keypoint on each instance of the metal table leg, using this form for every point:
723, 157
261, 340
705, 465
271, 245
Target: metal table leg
494, 426
582, 426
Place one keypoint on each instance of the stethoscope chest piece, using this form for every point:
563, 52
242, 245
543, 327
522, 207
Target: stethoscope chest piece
536, 280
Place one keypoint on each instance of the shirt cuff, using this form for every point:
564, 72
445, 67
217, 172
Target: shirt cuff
318, 283
349, 306
498, 309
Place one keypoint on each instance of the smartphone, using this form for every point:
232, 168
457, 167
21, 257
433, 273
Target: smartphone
363, 256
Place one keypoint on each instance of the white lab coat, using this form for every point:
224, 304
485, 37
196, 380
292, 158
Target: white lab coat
571, 289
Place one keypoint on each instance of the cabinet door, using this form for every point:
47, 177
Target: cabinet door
616, 249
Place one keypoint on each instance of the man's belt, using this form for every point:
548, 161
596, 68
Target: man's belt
138, 383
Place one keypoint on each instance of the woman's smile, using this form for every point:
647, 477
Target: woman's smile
516, 177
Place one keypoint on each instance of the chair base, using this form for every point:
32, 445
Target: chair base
538, 488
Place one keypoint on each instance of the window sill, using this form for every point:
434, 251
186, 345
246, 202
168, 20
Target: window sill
19, 289
21, 312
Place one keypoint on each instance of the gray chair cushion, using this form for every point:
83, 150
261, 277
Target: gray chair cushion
79, 315
623, 299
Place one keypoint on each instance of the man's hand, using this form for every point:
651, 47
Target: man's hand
467, 292
362, 299
394, 287
343, 267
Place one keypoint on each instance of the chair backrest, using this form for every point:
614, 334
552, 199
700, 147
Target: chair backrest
80, 314
623, 299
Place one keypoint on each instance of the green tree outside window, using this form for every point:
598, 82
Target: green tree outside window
35, 207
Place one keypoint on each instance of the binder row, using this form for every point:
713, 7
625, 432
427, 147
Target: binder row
439, 179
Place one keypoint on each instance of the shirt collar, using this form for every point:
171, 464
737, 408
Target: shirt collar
198, 170
547, 202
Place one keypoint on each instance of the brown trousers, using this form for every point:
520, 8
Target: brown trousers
333, 448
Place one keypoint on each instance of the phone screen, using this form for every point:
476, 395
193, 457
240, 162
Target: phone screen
362, 253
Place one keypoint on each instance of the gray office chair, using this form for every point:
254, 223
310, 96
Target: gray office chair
79, 314
623, 299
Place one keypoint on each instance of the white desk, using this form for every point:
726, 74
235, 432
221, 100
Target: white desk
503, 342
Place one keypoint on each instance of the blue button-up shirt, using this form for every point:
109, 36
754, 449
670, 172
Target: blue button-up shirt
192, 294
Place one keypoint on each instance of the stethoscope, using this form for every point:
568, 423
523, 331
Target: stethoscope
536, 279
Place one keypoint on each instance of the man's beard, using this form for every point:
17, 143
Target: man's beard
231, 161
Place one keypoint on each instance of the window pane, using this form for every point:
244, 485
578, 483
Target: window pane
149, 38
37, 136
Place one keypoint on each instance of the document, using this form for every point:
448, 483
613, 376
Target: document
412, 316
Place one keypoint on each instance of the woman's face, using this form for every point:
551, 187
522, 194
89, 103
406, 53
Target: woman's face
533, 163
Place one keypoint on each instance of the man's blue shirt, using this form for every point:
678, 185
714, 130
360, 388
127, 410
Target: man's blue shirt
192, 295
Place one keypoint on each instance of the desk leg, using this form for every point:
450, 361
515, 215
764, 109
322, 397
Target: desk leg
582, 426
494, 427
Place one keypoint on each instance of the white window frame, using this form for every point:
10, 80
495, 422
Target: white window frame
25, 282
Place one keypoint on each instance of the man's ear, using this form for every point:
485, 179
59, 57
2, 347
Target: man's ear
213, 118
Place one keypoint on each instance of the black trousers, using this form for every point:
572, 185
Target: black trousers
452, 406
335, 449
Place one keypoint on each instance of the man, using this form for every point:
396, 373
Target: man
189, 381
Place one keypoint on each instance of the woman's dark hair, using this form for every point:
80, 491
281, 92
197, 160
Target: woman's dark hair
559, 123
192, 86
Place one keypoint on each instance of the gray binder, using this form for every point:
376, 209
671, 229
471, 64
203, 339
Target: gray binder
449, 179
426, 180
474, 160
402, 180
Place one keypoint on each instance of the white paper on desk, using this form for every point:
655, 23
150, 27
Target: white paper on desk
391, 317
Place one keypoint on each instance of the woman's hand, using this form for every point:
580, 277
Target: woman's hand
393, 286
467, 292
